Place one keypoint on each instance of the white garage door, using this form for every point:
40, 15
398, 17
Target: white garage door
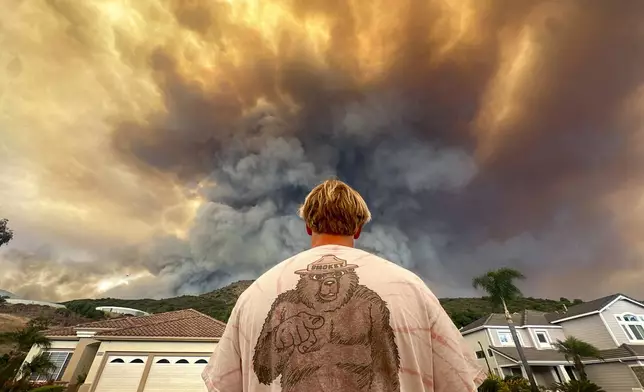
121, 374
176, 374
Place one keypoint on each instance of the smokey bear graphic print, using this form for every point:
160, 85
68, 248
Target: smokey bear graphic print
329, 333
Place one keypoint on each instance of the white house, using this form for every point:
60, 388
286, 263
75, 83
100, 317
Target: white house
161, 352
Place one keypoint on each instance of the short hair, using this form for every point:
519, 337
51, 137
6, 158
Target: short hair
333, 207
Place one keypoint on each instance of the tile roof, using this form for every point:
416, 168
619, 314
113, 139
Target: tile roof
187, 323
526, 317
531, 354
62, 331
587, 307
184, 324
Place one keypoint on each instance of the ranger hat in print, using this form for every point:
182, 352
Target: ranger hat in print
326, 264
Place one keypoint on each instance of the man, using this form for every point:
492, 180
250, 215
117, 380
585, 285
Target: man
335, 318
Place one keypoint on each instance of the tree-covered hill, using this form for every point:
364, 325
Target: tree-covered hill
219, 303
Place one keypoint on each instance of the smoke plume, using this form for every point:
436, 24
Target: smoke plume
157, 148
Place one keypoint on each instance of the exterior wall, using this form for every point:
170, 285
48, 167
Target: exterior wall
503, 361
148, 347
68, 345
618, 308
472, 340
590, 329
523, 333
613, 377
81, 360
145, 348
553, 333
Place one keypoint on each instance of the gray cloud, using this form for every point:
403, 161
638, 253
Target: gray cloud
500, 144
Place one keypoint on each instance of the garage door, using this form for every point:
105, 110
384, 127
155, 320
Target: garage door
176, 374
121, 374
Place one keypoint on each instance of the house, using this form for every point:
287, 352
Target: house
491, 339
614, 324
160, 352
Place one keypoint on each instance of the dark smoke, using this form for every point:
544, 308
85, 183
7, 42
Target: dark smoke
409, 144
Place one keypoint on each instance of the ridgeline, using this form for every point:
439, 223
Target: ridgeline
219, 303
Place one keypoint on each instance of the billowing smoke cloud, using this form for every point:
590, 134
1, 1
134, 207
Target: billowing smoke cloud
163, 147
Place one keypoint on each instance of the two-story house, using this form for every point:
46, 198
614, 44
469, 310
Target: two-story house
614, 324
491, 339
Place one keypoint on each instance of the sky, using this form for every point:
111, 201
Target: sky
153, 148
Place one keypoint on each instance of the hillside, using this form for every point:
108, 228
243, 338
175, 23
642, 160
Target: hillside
219, 304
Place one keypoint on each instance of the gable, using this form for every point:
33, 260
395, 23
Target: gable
624, 306
593, 307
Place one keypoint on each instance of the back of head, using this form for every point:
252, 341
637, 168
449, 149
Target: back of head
335, 208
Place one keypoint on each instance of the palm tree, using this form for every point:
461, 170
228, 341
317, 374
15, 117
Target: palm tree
40, 364
25, 338
22, 340
500, 287
575, 349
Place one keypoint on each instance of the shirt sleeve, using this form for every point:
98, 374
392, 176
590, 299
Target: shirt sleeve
224, 370
454, 362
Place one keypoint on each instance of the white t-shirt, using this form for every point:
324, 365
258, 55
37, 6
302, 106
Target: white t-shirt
335, 318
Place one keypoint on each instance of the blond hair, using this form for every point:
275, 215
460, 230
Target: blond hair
333, 207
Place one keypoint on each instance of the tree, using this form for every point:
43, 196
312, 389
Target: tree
574, 350
499, 286
22, 340
25, 338
6, 234
40, 364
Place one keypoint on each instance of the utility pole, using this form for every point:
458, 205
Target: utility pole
489, 369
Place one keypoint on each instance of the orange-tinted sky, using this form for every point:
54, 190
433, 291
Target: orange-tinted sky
154, 148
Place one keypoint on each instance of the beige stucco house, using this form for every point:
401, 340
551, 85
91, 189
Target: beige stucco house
614, 324
161, 352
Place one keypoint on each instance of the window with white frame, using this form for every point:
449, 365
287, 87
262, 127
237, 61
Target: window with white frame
60, 359
632, 325
543, 340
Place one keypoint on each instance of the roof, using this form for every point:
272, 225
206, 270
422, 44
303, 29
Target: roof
586, 308
187, 323
526, 317
62, 331
535, 355
623, 351
531, 354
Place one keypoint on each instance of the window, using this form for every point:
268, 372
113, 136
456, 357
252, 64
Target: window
480, 354
163, 361
201, 361
505, 337
137, 360
182, 361
542, 338
632, 325
117, 360
60, 359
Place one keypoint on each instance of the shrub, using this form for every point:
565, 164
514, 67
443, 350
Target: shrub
491, 384
49, 388
517, 384
578, 386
